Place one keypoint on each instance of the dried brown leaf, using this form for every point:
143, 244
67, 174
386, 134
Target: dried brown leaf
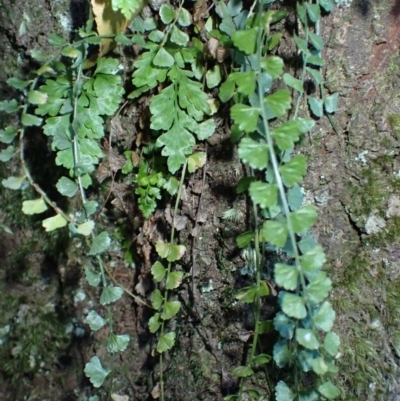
155, 393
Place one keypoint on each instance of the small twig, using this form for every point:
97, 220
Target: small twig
194, 233
135, 297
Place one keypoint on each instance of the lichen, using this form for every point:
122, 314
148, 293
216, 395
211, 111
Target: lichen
343, 3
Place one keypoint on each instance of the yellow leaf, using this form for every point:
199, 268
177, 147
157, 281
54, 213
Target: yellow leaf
109, 22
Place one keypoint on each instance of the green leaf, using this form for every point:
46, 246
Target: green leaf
234, 7
56, 41
279, 102
174, 280
167, 13
263, 194
316, 41
245, 82
288, 132
275, 233
85, 228
316, 75
329, 390
319, 365
92, 278
166, 342
171, 186
129, 8
315, 106
281, 353
284, 325
52, 223
158, 271
121, 38
261, 359
157, 299
213, 77
319, 287
227, 26
303, 218
226, 91
154, 323
245, 116
37, 97
286, 276
244, 184
9, 106
51, 107
184, 19
246, 40
38, 55
265, 326
247, 294
263, 290
301, 44
242, 371
196, 160
95, 321
178, 37
283, 392
327, 5
273, 40
244, 239
107, 66
8, 134
17, 83
253, 394
205, 129
95, 372
306, 124
313, 260
331, 344
13, 182
100, 243
118, 343
157, 37
170, 309
307, 338
330, 103
295, 197
29, 120
34, 206
177, 143
315, 60
90, 207
254, 153
67, 187
170, 252
292, 172
150, 23
293, 82
307, 243
325, 317
7, 154
163, 59
273, 65
305, 358
110, 294
293, 305
313, 11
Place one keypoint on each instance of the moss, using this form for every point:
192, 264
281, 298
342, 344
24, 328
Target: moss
36, 337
